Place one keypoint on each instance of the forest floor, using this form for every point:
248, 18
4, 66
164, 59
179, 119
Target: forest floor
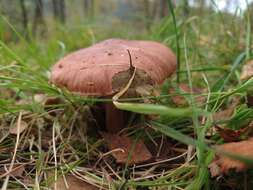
49, 137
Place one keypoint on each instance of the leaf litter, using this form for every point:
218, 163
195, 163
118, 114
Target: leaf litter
70, 182
179, 94
127, 150
247, 70
222, 163
14, 130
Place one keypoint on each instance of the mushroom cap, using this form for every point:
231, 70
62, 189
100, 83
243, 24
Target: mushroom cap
104, 68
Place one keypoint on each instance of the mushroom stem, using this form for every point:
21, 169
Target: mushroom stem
114, 118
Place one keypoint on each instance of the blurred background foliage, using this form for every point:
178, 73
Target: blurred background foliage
36, 18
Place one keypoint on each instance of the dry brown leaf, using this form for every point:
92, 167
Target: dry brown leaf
230, 135
159, 148
247, 70
205, 40
6, 93
144, 90
214, 169
72, 183
46, 100
39, 98
223, 164
249, 100
226, 113
17, 171
148, 90
124, 146
23, 101
223, 114
181, 100
14, 130
52, 101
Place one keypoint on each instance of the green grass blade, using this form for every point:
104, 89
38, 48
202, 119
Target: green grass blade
169, 131
220, 84
157, 109
171, 8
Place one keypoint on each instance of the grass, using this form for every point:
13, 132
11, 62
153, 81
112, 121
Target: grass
61, 137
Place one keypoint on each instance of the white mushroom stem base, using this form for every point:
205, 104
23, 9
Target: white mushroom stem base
114, 118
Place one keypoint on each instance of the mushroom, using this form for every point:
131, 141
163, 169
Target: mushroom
103, 69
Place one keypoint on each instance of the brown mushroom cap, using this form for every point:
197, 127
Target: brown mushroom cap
95, 70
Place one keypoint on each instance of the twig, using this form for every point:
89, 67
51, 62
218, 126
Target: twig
6, 181
55, 157
120, 93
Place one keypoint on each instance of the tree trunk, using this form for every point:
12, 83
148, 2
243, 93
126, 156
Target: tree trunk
86, 8
55, 9
147, 14
201, 7
38, 17
89, 8
24, 18
186, 8
163, 8
62, 11
92, 8
59, 10
155, 9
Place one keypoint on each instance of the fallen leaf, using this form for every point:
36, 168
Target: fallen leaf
230, 135
24, 101
205, 40
247, 70
46, 100
14, 130
184, 88
223, 164
39, 98
249, 100
214, 169
159, 148
144, 90
125, 147
148, 90
70, 183
226, 113
223, 114
6, 93
4, 132
17, 171
52, 101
